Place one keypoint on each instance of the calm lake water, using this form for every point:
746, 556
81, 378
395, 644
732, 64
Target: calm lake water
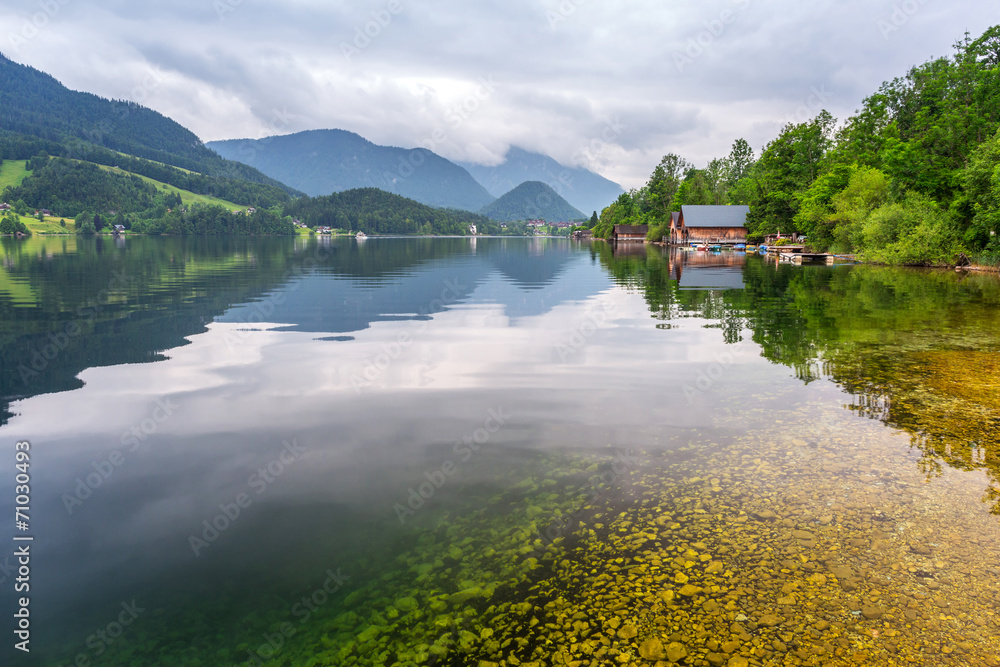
497, 452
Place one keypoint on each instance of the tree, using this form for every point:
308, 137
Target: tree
986, 49
694, 191
787, 167
8, 225
914, 231
663, 184
85, 218
814, 217
981, 200
739, 161
593, 221
716, 176
867, 190
624, 211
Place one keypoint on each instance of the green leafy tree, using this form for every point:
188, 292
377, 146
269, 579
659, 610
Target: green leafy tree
739, 162
83, 219
663, 184
623, 211
815, 217
695, 190
717, 179
8, 225
867, 189
914, 231
787, 167
981, 200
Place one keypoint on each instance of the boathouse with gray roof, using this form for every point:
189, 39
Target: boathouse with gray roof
709, 224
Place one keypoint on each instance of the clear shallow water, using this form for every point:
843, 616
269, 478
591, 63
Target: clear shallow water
442, 451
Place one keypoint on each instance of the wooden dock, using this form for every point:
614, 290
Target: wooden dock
800, 258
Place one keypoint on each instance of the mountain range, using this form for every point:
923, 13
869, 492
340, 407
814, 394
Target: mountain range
321, 162
38, 115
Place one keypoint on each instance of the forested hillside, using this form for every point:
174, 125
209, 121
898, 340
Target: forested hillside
66, 137
911, 178
16, 146
98, 198
34, 104
374, 211
532, 200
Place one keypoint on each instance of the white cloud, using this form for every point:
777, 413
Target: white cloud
688, 79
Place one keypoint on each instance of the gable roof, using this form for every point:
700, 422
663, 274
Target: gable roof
675, 218
715, 216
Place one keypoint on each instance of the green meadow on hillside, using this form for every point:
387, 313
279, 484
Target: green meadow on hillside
12, 172
187, 196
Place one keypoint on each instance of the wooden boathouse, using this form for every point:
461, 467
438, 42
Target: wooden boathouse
709, 224
630, 233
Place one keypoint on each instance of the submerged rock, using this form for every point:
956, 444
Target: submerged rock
676, 651
652, 649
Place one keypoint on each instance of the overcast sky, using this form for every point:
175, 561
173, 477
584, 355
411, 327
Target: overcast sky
607, 85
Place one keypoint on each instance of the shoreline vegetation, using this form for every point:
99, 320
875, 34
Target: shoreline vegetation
910, 179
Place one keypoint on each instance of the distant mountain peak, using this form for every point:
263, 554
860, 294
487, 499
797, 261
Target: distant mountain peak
582, 188
532, 200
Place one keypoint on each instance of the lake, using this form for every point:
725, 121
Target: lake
476, 451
